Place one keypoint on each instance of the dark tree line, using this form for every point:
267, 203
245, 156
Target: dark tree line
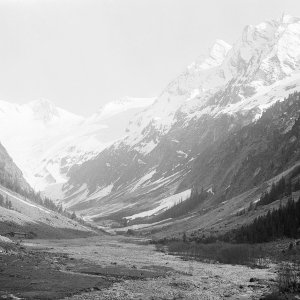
48, 203
282, 222
284, 187
184, 207
178, 209
277, 191
278, 223
36, 197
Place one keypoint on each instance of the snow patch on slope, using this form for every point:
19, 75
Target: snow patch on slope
100, 193
163, 205
144, 179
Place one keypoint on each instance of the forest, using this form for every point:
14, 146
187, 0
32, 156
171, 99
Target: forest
33, 196
278, 223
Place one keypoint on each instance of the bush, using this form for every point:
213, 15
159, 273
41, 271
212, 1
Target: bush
274, 296
31, 235
243, 254
130, 232
288, 277
235, 254
278, 223
7, 247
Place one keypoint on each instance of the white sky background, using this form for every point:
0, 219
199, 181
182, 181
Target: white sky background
81, 54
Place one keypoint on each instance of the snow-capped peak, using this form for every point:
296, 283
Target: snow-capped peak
269, 31
119, 106
264, 54
43, 109
287, 19
215, 56
218, 52
41, 103
47, 112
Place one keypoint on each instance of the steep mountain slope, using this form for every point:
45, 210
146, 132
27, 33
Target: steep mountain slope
10, 174
215, 97
240, 169
45, 141
252, 155
25, 215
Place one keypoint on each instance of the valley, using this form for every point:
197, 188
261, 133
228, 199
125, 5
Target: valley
192, 194
120, 267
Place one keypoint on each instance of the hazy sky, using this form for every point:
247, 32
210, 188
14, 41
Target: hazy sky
81, 54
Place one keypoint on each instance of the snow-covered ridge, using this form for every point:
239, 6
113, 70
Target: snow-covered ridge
216, 56
199, 77
264, 57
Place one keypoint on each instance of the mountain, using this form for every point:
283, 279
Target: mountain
214, 98
10, 174
45, 141
252, 155
238, 169
20, 212
30, 133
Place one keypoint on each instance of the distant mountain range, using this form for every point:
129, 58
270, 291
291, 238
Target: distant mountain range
45, 141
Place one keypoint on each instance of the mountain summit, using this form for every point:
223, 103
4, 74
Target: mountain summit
43, 110
216, 56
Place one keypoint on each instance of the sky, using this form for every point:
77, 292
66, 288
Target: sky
81, 54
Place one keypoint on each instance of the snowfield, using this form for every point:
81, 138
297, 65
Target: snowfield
144, 179
163, 205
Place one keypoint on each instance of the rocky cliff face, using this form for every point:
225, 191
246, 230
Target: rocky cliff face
252, 155
10, 174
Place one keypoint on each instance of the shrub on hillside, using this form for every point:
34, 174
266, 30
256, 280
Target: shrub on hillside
243, 254
235, 254
288, 277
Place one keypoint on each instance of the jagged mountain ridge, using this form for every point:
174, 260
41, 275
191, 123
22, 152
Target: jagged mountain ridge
212, 99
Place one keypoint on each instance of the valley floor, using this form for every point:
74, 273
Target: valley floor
117, 267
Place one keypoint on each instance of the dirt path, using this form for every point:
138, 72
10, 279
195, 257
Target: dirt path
137, 271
